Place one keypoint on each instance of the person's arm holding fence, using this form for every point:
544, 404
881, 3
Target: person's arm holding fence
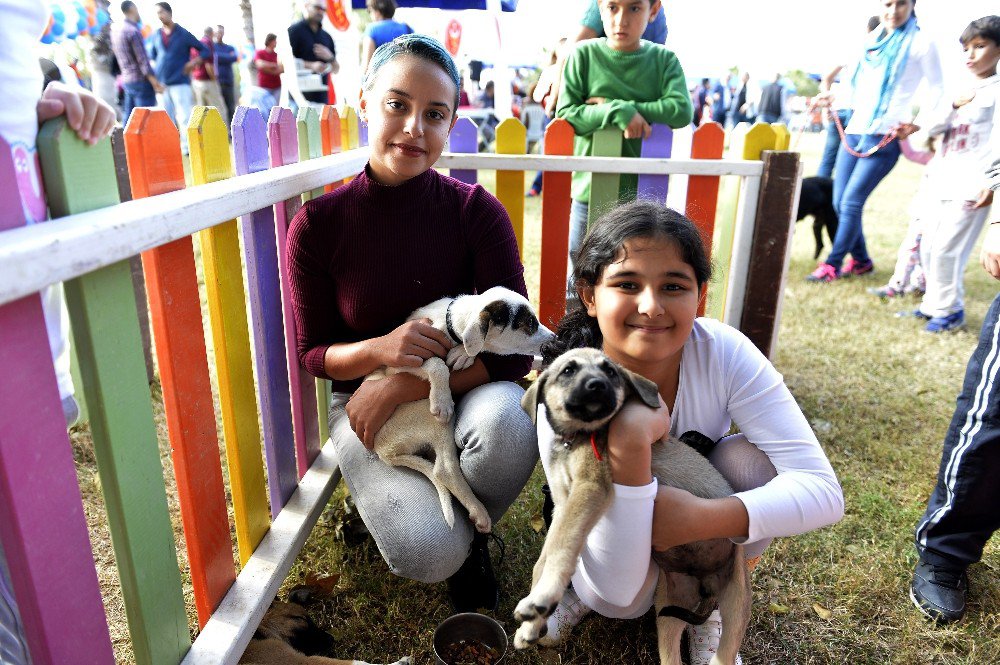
673, 108
587, 113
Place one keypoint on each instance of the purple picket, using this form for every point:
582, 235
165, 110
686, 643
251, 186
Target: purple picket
42, 523
263, 287
362, 134
658, 146
284, 149
464, 138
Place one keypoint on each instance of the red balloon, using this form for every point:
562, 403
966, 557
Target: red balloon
453, 36
338, 15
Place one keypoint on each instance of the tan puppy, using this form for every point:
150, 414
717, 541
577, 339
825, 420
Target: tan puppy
286, 635
497, 321
582, 390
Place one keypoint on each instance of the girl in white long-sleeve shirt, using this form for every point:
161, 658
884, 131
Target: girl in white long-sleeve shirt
640, 275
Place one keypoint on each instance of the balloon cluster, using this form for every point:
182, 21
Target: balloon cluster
68, 20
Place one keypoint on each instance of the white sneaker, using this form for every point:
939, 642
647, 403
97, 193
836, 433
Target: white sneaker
703, 640
568, 613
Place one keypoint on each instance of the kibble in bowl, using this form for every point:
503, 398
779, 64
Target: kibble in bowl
469, 639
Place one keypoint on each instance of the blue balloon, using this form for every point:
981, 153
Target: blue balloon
81, 26
96, 30
102, 17
47, 38
57, 29
57, 14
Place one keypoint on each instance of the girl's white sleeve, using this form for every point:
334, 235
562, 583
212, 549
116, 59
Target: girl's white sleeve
805, 495
616, 560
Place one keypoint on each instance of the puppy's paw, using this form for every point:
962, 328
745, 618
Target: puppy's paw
481, 518
528, 633
458, 359
530, 610
442, 407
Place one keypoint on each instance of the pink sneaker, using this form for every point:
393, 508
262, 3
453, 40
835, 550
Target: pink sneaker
852, 267
824, 273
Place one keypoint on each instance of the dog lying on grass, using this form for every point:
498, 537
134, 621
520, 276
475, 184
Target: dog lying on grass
582, 390
287, 636
496, 321
816, 199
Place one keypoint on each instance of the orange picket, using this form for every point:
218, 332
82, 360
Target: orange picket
703, 191
152, 147
329, 129
555, 227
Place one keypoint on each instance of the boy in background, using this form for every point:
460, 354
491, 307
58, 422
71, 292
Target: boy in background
961, 513
619, 81
957, 182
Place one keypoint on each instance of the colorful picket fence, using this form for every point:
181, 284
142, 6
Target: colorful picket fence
251, 190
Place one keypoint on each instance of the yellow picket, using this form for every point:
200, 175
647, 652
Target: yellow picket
220, 247
745, 142
348, 132
783, 137
512, 139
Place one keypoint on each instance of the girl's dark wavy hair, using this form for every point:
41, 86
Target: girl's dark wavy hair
604, 244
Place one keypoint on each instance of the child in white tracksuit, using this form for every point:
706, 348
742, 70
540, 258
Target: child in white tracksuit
959, 199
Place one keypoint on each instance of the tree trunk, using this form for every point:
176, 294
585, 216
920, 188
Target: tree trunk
247, 9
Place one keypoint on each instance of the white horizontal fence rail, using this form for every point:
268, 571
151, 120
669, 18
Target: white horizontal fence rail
34, 257
635, 165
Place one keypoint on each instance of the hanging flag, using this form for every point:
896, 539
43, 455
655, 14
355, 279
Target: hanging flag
338, 15
453, 36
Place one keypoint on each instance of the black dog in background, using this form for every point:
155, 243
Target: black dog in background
816, 199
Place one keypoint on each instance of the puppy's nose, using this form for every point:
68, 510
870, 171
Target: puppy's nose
596, 386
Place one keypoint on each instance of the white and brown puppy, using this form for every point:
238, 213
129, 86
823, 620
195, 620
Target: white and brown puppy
287, 636
582, 390
496, 321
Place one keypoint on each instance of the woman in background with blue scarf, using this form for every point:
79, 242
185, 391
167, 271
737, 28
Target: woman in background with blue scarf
897, 58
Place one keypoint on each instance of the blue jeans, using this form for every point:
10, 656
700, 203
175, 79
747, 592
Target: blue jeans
768, 118
832, 144
578, 212
854, 180
140, 93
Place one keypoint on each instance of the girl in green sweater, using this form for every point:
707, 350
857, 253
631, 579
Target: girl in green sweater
619, 81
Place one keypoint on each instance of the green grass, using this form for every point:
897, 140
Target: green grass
880, 394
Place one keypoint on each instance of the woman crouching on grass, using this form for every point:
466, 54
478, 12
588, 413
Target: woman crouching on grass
640, 274
361, 259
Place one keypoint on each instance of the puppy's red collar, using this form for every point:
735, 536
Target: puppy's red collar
593, 444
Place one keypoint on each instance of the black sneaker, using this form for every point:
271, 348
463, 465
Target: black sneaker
938, 592
474, 586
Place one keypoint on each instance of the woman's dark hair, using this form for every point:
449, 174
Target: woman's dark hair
387, 8
604, 244
987, 27
874, 22
419, 46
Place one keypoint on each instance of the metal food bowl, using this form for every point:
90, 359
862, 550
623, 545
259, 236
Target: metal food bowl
469, 626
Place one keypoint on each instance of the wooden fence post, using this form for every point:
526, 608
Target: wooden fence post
771, 247
283, 140
78, 178
250, 151
222, 263
152, 147
45, 541
464, 138
555, 227
512, 139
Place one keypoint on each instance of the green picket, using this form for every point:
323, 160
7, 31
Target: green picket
604, 186
79, 178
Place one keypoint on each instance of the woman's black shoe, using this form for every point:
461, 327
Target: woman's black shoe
474, 586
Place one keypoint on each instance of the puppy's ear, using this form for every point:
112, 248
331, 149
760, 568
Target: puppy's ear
643, 387
474, 335
531, 396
